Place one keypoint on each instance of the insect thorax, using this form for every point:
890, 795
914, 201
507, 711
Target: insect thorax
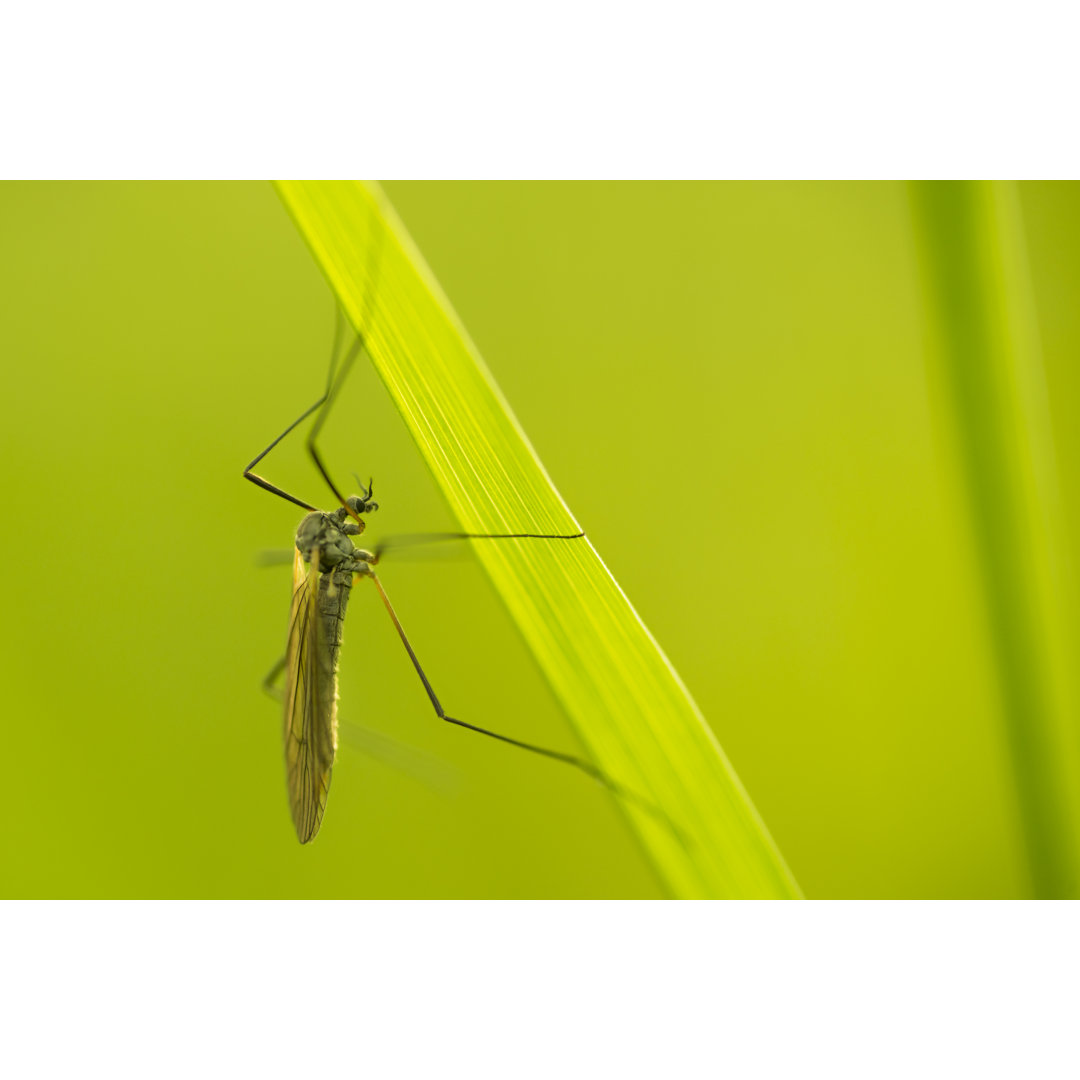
331, 533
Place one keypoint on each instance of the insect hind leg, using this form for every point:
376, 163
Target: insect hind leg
586, 767
270, 679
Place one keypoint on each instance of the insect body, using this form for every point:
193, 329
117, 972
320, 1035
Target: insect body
324, 566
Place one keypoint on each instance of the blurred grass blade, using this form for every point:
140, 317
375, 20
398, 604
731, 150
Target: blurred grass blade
988, 369
633, 714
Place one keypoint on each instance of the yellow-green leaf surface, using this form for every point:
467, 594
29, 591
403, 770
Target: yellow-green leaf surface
989, 370
628, 705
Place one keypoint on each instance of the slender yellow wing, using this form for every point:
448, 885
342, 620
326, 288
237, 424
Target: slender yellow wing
310, 738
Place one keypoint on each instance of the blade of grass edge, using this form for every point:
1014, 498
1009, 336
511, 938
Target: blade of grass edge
989, 374
628, 705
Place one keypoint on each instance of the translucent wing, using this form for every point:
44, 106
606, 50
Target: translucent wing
310, 703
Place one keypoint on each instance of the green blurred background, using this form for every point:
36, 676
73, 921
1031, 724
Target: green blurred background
727, 383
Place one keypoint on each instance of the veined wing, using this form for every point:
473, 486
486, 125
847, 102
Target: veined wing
310, 703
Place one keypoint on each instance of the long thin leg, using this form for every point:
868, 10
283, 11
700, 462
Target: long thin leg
405, 540
333, 384
332, 389
327, 402
586, 767
265, 484
271, 678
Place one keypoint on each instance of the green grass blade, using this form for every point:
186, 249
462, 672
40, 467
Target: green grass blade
989, 371
633, 714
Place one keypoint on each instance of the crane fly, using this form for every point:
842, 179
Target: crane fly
326, 564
